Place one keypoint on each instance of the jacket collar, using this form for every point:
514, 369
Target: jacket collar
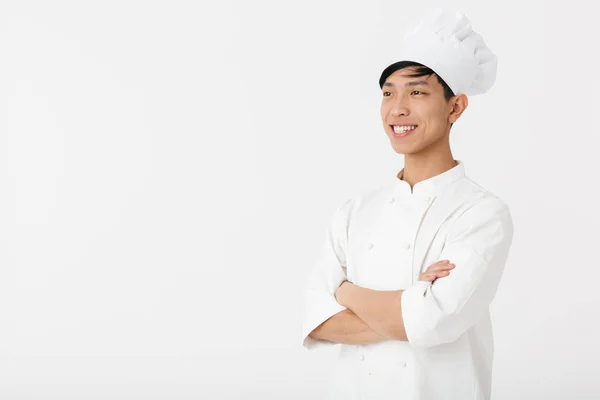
430, 187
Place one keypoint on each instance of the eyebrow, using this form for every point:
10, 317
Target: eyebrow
407, 84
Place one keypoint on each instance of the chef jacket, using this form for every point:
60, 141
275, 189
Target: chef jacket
383, 239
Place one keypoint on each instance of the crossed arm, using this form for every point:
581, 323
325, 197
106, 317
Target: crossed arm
347, 328
371, 316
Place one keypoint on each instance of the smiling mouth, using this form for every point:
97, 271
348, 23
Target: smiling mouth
403, 130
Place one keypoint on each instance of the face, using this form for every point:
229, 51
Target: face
416, 116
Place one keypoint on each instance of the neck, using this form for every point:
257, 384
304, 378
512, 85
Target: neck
424, 165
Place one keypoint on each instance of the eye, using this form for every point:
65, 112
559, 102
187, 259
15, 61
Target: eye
386, 95
417, 91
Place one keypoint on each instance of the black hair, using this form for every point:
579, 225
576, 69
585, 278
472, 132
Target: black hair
420, 70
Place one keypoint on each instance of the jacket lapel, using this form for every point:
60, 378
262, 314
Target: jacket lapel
440, 210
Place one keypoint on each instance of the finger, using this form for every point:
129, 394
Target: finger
444, 267
440, 263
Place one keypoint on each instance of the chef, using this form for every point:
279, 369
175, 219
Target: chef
409, 269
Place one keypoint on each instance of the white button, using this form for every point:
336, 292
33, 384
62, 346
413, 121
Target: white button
406, 246
403, 364
392, 200
370, 245
426, 199
362, 357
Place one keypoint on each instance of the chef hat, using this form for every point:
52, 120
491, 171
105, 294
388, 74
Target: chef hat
445, 42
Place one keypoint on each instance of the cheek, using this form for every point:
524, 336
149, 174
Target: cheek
384, 111
432, 115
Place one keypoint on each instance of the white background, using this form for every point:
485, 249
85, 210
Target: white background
168, 170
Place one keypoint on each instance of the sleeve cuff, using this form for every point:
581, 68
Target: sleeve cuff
413, 311
324, 308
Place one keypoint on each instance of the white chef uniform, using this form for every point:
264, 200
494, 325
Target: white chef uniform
383, 239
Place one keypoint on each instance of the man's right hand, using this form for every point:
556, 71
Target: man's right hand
436, 270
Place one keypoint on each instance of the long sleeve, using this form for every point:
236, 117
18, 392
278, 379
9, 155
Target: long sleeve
478, 244
327, 274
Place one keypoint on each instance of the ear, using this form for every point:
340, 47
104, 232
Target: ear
459, 105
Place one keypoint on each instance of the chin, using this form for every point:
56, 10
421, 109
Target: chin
403, 150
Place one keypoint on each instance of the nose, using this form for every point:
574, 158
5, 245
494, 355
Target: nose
399, 108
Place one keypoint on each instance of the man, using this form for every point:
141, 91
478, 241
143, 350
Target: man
407, 331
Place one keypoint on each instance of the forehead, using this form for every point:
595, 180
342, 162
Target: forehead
402, 78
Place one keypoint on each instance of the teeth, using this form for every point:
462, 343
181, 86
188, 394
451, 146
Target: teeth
404, 128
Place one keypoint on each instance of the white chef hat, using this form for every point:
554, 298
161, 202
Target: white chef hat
445, 42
